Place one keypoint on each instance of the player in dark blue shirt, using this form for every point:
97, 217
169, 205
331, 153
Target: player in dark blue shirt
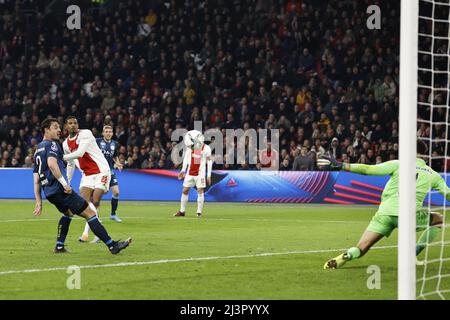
49, 174
110, 148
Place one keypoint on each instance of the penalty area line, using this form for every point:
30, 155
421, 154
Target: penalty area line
164, 261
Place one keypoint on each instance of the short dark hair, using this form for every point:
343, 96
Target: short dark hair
47, 123
422, 147
70, 117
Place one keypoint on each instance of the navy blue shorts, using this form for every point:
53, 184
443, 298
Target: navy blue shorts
73, 202
114, 181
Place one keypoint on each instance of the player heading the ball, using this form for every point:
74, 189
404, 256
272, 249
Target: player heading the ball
197, 163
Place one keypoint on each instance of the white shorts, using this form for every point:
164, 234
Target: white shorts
96, 181
194, 181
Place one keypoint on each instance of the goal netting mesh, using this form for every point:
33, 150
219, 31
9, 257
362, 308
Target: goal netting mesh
433, 116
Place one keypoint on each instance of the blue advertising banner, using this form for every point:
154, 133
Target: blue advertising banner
230, 186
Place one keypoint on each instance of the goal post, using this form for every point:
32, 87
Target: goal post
409, 17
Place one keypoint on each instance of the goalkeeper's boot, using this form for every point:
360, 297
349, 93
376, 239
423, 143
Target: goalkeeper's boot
337, 262
179, 214
84, 238
115, 218
60, 249
119, 246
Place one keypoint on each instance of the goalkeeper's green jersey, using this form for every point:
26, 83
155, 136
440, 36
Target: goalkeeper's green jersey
426, 179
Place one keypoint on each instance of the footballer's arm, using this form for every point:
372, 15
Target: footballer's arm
54, 168
37, 194
382, 169
85, 140
209, 164
70, 165
117, 163
186, 162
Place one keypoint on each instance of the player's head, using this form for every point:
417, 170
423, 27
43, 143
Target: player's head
107, 132
71, 124
50, 129
422, 148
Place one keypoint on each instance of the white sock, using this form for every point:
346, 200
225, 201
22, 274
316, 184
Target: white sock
184, 200
86, 226
200, 202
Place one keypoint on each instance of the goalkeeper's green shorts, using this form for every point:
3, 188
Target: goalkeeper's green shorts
384, 224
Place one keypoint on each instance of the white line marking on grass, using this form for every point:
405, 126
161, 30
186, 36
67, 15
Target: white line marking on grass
28, 220
163, 261
206, 219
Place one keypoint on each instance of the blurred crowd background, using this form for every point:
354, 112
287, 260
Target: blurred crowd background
310, 68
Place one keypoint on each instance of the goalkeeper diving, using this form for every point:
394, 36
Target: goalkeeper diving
386, 218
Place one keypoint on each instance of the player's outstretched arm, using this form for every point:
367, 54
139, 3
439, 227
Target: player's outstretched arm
440, 185
37, 194
382, 169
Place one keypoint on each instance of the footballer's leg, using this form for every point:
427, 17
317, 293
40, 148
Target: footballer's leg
114, 186
200, 201
63, 230
90, 214
96, 199
368, 239
115, 203
58, 200
183, 202
380, 226
86, 194
432, 224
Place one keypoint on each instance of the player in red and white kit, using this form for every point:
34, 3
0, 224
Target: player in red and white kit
81, 150
197, 163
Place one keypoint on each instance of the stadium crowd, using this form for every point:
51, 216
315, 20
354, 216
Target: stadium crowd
311, 69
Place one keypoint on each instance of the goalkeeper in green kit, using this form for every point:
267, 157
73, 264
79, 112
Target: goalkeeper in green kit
386, 218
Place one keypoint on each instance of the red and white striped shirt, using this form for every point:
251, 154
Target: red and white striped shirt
84, 151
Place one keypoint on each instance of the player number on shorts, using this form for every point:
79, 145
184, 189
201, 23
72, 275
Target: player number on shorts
104, 180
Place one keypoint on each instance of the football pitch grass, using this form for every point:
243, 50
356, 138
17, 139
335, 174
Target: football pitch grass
235, 251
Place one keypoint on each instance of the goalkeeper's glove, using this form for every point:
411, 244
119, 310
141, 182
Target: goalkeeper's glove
329, 163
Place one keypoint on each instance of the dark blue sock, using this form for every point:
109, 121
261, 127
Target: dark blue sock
114, 205
99, 230
63, 229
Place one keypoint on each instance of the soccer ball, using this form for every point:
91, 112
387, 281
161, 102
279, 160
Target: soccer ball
194, 139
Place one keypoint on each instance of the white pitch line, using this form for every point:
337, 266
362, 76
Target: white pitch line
206, 218
163, 261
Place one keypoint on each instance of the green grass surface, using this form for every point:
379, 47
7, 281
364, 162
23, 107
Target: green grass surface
227, 249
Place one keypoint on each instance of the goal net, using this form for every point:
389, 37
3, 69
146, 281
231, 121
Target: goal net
433, 118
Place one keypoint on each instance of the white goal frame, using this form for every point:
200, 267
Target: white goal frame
409, 29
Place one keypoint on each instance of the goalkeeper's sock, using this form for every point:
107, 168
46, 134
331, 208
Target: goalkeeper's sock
353, 253
99, 230
63, 229
184, 200
200, 202
114, 205
426, 238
